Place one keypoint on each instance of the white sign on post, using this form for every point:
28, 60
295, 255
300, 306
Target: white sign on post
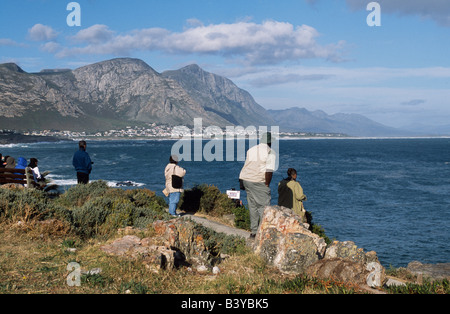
235, 195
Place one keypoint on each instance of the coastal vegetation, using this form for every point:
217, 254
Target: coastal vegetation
40, 235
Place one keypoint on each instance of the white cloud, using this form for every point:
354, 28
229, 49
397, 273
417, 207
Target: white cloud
270, 42
41, 32
279, 79
50, 47
414, 102
8, 42
95, 34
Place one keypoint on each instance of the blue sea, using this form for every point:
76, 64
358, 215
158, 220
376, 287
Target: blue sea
391, 196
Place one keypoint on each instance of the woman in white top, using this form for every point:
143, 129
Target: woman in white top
38, 177
174, 175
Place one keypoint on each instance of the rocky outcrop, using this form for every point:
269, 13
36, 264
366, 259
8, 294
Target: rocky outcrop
283, 241
183, 236
429, 271
345, 262
174, 243
133, 247
286, 243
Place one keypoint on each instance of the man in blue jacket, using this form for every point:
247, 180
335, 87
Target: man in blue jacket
82, 163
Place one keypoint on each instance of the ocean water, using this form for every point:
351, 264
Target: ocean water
391, 196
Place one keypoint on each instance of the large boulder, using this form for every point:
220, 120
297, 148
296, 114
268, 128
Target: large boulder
133, 247
344, 261
174, 243
286, 243
184, 236
432, 272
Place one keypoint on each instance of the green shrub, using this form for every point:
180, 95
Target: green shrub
190, 199
90, 210
112, 209
305, 284
87, 219
81, 193
134, 287
217, 243
97, 281
317, 229
214, 202
144, 197
206, 199
436, 287
23, 204
242, 218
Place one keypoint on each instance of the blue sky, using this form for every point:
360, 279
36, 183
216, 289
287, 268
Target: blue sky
316, 54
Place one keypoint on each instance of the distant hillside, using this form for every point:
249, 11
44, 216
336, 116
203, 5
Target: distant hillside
302, 120
219, 95
118, 92
121, 92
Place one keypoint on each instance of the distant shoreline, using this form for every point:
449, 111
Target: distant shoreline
15, 138
283, 138
12, 139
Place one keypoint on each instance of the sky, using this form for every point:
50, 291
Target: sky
388, 60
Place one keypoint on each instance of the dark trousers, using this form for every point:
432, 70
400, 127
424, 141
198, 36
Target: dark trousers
83, 178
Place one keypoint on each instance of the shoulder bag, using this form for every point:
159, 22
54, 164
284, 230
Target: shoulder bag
177, 181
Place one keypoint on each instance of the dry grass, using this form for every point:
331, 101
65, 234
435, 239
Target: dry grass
34, 257
39, 239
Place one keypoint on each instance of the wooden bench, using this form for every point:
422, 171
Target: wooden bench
17, 176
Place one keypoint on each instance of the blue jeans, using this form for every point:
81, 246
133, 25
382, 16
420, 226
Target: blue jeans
174, 198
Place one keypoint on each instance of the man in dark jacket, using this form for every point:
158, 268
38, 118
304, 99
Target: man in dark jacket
285, 195
82, 163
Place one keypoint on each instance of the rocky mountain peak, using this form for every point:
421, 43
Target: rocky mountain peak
11, 67
120, 66
118, 92
123, 91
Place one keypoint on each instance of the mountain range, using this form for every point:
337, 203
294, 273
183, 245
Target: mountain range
119, 92
301, 119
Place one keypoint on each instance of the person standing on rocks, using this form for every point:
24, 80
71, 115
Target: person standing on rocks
290, 194
82, 163
256, 176
174, 175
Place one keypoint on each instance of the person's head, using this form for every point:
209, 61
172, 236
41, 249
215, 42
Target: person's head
82, 145
292, 173
22, 162
33, 163
266, 138
173, 159
10, 162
